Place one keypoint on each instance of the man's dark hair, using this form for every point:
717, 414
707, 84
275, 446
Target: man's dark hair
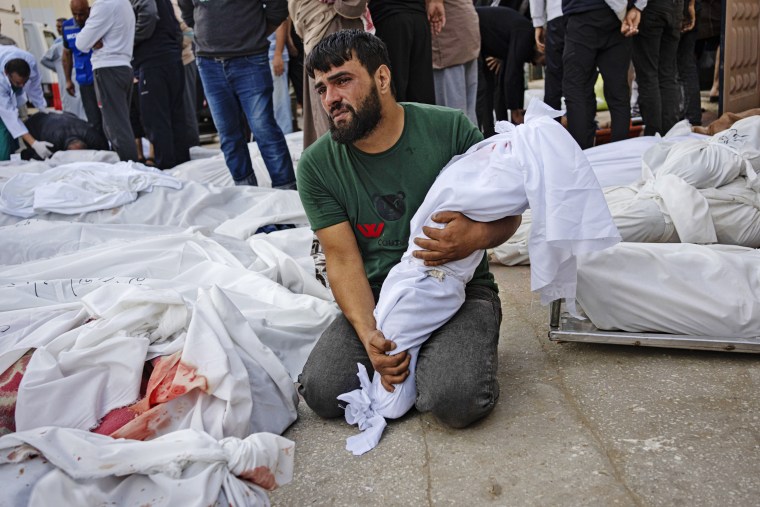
339, 47
60, 19
18, 66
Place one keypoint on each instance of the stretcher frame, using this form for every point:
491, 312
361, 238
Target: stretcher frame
563, 327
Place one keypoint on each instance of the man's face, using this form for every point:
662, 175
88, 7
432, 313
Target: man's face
350, 98
59, 27
17, 82
80, 11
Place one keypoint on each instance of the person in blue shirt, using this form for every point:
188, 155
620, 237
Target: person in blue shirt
80, 62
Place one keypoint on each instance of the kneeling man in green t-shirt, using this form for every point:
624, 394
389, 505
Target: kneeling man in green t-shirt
360, 187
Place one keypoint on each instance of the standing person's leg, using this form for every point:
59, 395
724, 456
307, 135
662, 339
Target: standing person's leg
450, 87
456, 367
331, 368
90, 103
281, 100
555, 45
579, 76
312, 112
251, 79
646, 61
668, 68
687, 74
113, 86
613, 61
471, 90
419, 61
484, 104
226, 112
189, 98
182, 133
160, 87
397, 34
295, 66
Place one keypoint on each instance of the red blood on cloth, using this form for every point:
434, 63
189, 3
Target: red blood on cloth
169, 379
10, 381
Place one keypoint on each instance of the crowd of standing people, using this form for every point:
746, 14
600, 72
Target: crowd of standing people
130, 68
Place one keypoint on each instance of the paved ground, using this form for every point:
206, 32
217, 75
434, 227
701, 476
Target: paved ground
576, 424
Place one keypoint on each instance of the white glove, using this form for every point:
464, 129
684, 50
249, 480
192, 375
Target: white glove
42, 148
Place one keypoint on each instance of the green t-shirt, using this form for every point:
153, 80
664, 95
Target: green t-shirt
378, 194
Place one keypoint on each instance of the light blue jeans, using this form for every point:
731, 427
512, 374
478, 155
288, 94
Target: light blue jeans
242, 87
281, 101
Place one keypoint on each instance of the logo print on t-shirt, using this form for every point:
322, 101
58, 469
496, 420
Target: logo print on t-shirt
391, 206
371, 230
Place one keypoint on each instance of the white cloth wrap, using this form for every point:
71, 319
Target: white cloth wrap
701, 290
536, 164
80, 187
711, 162
187, 467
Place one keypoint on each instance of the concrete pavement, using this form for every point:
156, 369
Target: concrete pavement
576, 424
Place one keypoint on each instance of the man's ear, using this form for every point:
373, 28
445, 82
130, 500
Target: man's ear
383, 79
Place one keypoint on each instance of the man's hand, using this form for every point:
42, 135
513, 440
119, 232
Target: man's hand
458, 239
630, 26
690, 19
392, 369
539, 35
98, 44
493, 64
436, 16
42, 149
278, 65
517, 116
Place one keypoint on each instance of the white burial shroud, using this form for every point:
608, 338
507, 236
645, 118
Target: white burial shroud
537, 164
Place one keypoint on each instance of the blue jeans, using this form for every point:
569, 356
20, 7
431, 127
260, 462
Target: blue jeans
243, 86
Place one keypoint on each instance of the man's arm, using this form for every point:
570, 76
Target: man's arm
146, 17
96, 27
461, 236
9, 113
33, 87
281, 34
436, 15
68, 66
276, 11
351, 9
186, 7
349, 284
49, 58
690, 18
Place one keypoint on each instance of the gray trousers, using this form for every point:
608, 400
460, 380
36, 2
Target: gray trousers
189, 101
457, 87
91, 109
113, 86
456, 367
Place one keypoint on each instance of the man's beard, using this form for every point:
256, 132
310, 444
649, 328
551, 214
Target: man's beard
363, 120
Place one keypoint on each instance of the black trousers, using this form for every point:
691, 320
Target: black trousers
554, 38
593, 40
295, 66
655, 51
162, 110
409, 47
90, 103
689, 78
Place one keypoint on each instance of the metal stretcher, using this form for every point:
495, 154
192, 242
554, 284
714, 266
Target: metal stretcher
563, 327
